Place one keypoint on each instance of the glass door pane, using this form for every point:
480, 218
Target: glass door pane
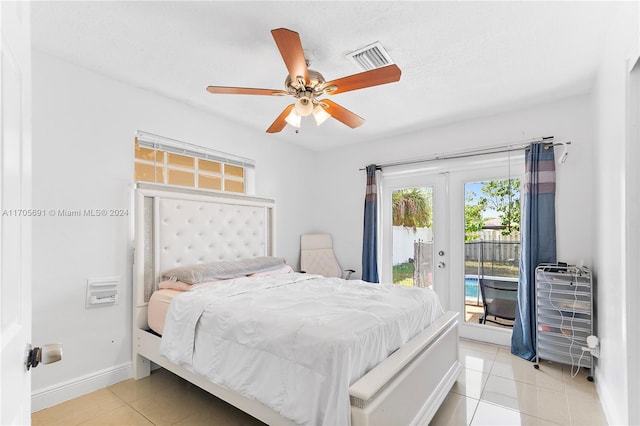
491, 251
412, 236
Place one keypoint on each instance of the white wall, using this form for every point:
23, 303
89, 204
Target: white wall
567, 120
612, 375
404, 239
83, 135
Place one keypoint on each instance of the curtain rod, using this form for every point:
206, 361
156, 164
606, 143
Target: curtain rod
472, 153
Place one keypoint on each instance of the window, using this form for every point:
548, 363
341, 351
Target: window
172, 162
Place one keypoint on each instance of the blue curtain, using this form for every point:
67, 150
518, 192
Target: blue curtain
538, 242
370, 231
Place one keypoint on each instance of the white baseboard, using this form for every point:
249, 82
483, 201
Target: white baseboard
52, 395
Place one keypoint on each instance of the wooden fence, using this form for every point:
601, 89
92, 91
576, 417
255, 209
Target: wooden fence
497, 248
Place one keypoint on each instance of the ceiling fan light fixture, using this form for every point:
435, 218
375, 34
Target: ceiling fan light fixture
320, 114
304, 106
306, 86
293, 118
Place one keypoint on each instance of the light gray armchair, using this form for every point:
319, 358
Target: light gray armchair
317, 256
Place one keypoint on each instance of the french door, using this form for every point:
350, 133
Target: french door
416, 252
487, 250
438, 250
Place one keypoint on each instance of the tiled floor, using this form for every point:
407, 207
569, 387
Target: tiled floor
494, 388
160, 399
497, 388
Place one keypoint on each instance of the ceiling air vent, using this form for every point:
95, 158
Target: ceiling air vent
370, 57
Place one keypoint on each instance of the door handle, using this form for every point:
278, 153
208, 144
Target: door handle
48, 354
441, 265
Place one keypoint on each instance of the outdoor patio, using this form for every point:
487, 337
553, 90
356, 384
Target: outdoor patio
473, 313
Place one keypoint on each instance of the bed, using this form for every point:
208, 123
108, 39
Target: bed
176, 227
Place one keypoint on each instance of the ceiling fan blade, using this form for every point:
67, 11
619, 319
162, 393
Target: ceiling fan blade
374, 77
290, 47
244, 91
342, 114
279, 123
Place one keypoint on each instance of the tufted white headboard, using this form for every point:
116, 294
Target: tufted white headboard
197, 231
178, 227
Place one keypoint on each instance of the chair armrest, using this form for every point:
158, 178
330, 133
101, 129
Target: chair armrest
348, 273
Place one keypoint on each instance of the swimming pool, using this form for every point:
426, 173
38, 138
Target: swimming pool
471, 287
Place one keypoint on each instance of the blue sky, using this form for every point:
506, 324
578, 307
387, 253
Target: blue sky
474, 187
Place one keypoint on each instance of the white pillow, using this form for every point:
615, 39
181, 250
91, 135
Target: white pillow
222, 270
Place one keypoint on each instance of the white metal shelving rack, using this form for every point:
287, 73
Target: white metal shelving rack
564, 315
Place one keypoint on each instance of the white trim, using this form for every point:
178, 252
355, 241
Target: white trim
52, 395
632, 238
633, 61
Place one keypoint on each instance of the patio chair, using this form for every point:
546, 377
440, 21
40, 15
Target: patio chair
317, 256
499, 298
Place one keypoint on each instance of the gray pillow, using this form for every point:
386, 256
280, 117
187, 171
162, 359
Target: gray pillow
194, 274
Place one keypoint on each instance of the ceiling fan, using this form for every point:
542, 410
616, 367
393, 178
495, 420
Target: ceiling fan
308, 86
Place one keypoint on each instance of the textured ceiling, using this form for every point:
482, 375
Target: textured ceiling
459, 60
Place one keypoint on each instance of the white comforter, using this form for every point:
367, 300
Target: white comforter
294, 342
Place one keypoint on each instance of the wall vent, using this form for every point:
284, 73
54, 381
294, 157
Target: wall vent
370, 57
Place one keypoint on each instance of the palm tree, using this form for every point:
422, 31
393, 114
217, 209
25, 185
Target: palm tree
412, 208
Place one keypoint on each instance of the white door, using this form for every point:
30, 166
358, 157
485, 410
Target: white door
422, 249
445, 182
500, 252
15, 202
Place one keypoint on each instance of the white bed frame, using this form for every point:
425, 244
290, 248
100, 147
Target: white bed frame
176, 227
